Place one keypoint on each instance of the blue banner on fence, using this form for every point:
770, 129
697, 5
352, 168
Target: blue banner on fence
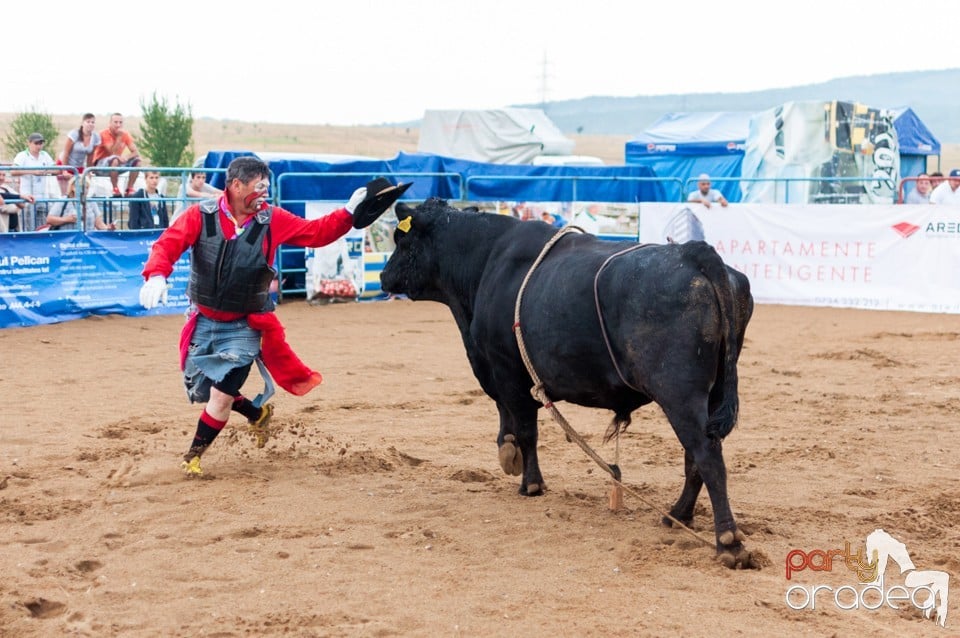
59, 276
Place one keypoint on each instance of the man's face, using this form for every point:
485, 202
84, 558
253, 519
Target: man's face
252, 196
152, 180
954, 182
923, 185
116, 123
198, 180
704, 187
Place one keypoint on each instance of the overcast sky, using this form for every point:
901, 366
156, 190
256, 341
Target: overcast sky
371, 62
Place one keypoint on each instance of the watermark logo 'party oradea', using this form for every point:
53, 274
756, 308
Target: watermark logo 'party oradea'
876, 588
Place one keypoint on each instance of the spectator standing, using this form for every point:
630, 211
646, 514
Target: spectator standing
920, 194
33, 180
949, 191
63, 214
10, 211
78, 149
148, 208
705, 194
117, 149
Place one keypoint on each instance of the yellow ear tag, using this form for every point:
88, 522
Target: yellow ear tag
404, 224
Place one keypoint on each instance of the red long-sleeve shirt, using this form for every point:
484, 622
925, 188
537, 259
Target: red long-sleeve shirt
285, 228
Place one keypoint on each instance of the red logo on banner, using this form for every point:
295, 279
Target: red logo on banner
905, 229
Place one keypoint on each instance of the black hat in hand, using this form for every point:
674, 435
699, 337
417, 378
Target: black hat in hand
381, 195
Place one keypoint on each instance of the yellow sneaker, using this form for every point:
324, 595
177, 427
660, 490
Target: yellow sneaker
192, 467
259, 428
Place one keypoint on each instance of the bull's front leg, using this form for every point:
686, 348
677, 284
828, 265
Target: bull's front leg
517, 450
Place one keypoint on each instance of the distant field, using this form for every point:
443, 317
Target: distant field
371, 141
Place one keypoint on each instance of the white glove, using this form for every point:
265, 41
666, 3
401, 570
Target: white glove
154, 292
358, 196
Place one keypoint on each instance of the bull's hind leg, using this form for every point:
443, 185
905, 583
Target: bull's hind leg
682, 510
707, 455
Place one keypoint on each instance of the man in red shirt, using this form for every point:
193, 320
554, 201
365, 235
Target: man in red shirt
113, 142
233, 241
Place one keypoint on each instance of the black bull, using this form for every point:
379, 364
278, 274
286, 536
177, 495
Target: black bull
674, 317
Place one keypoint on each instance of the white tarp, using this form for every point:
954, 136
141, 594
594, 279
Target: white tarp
500, 136
822, 153
877, 257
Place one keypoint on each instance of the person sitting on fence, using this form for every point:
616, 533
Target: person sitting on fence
704, 194
78, 149
148, 208
114, 142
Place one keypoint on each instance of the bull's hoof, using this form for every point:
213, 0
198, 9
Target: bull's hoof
732, 554
742, 559
669, 522
532, 489
511, 459
727, 537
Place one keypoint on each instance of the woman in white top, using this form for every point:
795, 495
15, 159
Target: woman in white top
78, 150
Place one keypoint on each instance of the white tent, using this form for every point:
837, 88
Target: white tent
500, 136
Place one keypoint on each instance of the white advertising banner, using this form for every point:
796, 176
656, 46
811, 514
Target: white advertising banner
878, 257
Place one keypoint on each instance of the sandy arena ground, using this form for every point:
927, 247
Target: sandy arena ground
379, 509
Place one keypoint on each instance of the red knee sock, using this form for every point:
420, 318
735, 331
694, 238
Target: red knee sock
207, 430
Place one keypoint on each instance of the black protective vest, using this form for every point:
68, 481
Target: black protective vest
232, 276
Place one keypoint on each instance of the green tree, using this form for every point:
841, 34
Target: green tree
166, 136
23, 125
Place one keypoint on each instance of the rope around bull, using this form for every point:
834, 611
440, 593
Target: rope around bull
539, 393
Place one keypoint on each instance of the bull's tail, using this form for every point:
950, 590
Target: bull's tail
724, 404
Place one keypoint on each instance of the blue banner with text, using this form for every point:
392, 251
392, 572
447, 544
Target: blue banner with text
59, 276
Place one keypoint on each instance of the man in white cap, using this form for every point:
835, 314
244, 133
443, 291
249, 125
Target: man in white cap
948, 192
31, 163
704, 194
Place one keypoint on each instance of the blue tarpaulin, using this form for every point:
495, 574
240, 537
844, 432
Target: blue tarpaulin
684, 145
455, 179
916, 142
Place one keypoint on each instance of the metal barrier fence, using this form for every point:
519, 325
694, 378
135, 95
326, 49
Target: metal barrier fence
831, 190
574, 180
112, 209
290, 261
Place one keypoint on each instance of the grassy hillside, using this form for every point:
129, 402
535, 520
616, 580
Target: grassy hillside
371, 141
